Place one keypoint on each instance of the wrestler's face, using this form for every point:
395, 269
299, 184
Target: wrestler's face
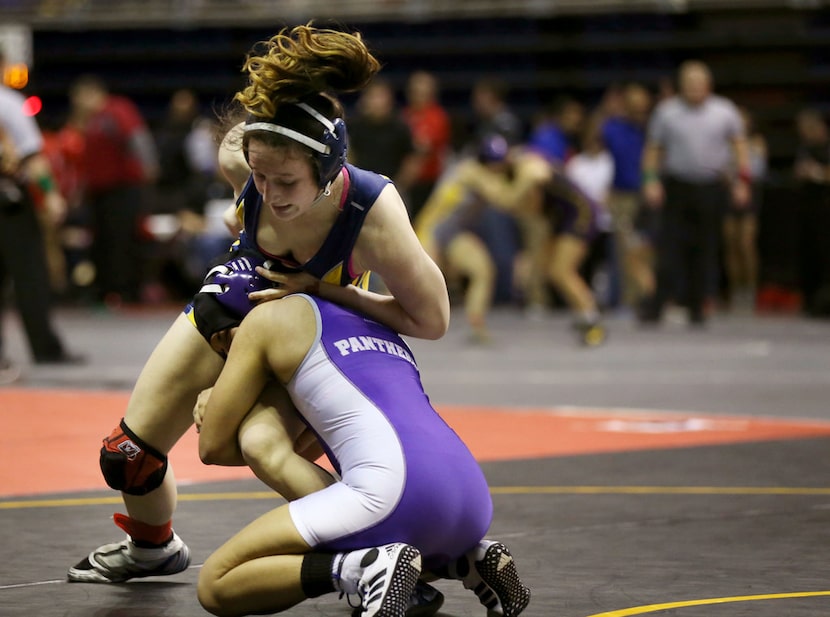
284, 176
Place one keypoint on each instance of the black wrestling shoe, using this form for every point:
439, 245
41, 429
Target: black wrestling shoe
492, 576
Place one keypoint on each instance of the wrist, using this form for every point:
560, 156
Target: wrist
45, 184
649, 177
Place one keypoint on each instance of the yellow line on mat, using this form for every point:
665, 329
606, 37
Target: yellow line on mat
496, 490
653, 608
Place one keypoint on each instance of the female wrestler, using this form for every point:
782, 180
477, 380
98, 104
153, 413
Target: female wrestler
324, 225
450, 227
410, 493
558, 221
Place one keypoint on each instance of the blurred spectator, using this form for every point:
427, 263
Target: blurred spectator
624, 135
25, 173
812, 172
380, 140
187, 154
592, 171
188, 178
65, 243
695, 139
492, 114
431, 131
612, 103
557, 132
120, 161
740, 226
453, 228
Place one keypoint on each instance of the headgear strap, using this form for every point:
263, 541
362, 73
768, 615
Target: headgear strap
296, 135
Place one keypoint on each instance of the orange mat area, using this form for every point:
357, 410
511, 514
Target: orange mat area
49, 439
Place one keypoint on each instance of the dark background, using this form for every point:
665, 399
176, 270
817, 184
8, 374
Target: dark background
773, 59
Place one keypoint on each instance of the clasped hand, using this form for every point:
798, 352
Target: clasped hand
199, 408
285, 284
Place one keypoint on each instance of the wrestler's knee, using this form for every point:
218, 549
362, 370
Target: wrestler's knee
129, 464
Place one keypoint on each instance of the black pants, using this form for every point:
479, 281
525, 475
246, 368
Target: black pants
23, 263
116, 249
687, 244
813, 209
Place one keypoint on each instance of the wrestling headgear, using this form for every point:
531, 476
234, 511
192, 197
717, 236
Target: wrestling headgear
493, 149
223, 301
232, 281
329, 146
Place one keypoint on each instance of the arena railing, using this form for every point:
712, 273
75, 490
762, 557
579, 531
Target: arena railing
155, 13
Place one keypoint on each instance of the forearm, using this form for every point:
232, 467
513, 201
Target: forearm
650, 163
741, 148
429, 324
37, 170
500, 192
219, 447
231, 159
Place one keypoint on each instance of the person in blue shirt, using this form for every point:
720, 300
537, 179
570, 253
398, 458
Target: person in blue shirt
625, 136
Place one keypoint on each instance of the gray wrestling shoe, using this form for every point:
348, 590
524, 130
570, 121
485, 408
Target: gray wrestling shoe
119, 562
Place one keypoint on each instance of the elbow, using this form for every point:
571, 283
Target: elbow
437, 327
439, 331
430, 330
207, 456
211, 454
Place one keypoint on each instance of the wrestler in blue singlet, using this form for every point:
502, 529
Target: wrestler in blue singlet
332, 263
360, 391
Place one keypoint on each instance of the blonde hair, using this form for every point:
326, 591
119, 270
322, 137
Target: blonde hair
301, 63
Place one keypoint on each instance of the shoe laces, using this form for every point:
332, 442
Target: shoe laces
349, 597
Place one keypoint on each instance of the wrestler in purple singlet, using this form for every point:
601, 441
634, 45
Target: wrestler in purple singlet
406, 475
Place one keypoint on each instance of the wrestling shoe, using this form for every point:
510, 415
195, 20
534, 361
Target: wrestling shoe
591, 334
9, 372
116, 563
424, 601
388, 579
492, 576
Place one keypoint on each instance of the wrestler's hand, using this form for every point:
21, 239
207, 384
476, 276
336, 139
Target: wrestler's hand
199, 408
286, 284
654, 194
741, 194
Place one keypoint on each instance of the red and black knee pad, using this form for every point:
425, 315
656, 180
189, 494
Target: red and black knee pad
129, 464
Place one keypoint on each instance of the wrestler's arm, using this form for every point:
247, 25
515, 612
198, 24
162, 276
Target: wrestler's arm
502, 192
271, 342
236, 171
419, 304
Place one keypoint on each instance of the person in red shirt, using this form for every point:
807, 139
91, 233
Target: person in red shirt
430, 126
119, 162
